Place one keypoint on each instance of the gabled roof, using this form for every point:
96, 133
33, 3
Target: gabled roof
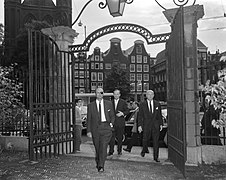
200, 44
128, 51
161, 56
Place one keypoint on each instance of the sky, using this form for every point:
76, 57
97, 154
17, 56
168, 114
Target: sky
147, 13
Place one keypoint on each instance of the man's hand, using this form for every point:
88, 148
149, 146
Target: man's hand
119, 114
140, 129
89, 134
161, 127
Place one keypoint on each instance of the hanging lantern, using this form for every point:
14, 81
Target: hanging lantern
116, 7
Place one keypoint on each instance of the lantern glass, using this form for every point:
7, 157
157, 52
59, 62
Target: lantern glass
116, 7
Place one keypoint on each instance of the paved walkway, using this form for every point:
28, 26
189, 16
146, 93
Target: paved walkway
87, 150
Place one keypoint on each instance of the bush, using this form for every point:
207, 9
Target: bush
11, 107
217, 97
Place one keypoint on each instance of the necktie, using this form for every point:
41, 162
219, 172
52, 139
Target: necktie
100, 110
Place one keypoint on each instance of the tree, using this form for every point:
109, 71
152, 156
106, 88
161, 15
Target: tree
117, 78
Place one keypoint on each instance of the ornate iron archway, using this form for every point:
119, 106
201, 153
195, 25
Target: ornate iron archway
121, 27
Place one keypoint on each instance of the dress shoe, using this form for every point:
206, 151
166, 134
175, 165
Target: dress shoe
127, 150
100, 169
156, 160
142, 154
120, 153
110, 154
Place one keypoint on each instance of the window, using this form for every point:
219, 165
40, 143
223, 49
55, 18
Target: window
139, 68
87, 65
132, 59
100, 84
92, 65
139, 87
93, 86
146, 86
81, 82
81, 65
96, 65
81, 90
87, 74
97, 58
76, 73
146, 77
76, 65
101, 65
81, 74
139, 77
76, 82
93, 76
139, 58
123, 66
146, 68
145, 59
107, 66
132, 86
132, 67
139, 49
132, 77
100, 76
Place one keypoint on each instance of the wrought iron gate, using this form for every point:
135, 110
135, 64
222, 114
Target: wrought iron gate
51, 98
175, 93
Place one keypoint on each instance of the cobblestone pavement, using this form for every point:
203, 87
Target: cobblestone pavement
16, 166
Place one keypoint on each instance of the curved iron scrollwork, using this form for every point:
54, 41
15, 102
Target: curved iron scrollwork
177, 2
122, 27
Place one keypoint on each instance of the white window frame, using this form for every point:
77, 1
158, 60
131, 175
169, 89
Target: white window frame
132, 77
145, 59
133, 59
139, 77
93, 76
100, 76
139, 58
139, 68
146, 68
132, 67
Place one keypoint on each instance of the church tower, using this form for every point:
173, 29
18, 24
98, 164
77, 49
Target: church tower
18, 13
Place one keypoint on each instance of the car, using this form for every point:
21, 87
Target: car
163, 133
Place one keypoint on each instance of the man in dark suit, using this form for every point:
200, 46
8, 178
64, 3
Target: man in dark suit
121, 110
150, 122
100, 120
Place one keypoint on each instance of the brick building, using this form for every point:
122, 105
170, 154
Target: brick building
135, 60
159, 74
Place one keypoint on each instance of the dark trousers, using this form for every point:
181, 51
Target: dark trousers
78, 137
117, 134
101, 139
134, 138
147, 135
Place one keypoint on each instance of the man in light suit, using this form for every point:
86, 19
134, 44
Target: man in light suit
121, 110
150, 122
100, 120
